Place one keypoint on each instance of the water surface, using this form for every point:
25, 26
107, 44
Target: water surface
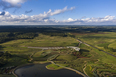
39, 70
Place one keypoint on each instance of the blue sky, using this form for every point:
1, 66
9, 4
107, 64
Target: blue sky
57, 12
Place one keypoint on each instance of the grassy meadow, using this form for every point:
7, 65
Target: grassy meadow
88, 60
100, 63
18, 48
103, 40
21, 54
53, 67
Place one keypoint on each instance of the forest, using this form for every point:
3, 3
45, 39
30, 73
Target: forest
8, 33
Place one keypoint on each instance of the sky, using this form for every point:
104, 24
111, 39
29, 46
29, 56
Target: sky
57, 12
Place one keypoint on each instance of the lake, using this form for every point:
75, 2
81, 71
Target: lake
39, 70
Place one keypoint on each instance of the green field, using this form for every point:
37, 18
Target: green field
100, 60
21, 54
53, 67
102, 40
88, 60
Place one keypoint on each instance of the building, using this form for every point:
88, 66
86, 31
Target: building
75, 48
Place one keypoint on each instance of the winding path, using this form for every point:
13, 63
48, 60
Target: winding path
84, 69
31, 57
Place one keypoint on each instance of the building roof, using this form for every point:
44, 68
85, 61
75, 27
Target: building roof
75, 48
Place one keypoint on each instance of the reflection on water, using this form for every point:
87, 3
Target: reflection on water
39, 70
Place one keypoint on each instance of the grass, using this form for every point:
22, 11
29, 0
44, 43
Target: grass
47, 41
53, 67
66, 57
88, 70
16, 60
53, 57
107, 70
94, 59
7, 76
37, 54
19, 47
104, 40
65, 65
112, 45
103, 45
103, 59
45, 55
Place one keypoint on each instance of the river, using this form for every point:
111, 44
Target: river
39, 70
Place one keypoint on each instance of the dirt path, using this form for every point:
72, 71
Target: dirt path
31, 56
84, 69
97, 61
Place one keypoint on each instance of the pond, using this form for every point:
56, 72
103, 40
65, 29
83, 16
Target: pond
39, 70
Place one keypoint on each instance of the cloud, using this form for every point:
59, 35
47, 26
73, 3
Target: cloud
104, 19
61, 10
50, 13
58, 11
2, 13
6, 4
107, 20
14, 2
44, 19
28, 11
72, 8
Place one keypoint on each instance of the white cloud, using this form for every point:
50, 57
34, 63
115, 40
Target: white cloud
72, 8
107, 20
103, 19
70, 19
59, 11
6, 4
45, 19
32, 19
14, 2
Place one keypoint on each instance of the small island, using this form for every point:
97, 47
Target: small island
53, 67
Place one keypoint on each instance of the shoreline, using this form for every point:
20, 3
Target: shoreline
78, 72
13, 72
70, 69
